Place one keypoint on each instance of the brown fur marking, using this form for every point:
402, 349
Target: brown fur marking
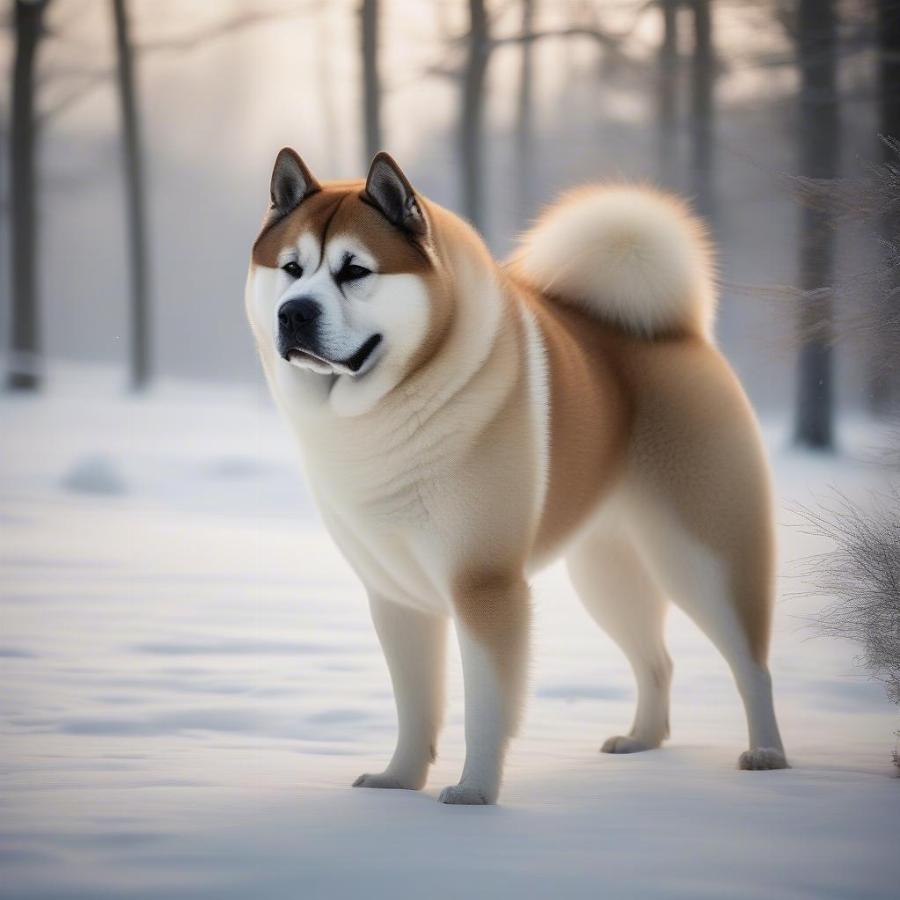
590, 418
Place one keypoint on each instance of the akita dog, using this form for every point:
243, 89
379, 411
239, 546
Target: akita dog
464, 423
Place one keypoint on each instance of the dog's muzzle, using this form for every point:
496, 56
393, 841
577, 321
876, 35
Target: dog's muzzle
298, 340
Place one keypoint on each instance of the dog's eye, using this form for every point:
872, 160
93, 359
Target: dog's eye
352, 272
294, 269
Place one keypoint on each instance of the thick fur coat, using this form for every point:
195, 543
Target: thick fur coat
464, 422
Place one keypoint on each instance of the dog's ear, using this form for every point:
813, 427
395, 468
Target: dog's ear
292, 182
389, 191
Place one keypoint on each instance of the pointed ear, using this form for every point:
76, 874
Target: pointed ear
389, 191
292, 182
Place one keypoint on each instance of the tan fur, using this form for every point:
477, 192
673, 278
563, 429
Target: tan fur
590, 417
696, 445
673, 408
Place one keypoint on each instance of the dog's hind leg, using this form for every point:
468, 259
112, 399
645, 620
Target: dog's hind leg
414, 645
618, 592
729, 597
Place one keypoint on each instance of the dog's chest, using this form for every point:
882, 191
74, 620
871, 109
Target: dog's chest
388, 516
383, 481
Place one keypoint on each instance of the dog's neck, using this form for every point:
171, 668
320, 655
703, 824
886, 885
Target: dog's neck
424, 418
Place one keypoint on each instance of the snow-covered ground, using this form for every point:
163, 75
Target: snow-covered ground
190, 684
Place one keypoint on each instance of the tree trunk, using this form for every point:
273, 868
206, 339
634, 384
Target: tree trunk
368, 15
668, 92
141, 342
524, 135
884, 366
472, 114
25, 344
702, 78
819, 155
889, 69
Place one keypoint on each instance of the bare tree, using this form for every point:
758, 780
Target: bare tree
471, 114
867, 201
29, 15
141, 339
862, 570
702, 79
889, 69
368, 15
819, 136
479, 44
26, 344
667, 71
883, 374
524, 136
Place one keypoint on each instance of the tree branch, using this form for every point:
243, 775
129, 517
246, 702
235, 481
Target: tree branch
179, 44
221, 29
601, 37
90, 83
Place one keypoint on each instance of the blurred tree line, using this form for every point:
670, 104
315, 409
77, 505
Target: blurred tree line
687, 45
29, 18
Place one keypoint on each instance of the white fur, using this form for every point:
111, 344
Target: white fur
346, 321
539, 393
618, 591
700, 583
492, 709
414, 647
398, 309
628, 254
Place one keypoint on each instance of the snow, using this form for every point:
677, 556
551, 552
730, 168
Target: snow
191, 684
94, 475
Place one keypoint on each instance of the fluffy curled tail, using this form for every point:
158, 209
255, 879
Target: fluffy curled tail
631, 255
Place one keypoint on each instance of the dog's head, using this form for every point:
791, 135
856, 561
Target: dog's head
344, 284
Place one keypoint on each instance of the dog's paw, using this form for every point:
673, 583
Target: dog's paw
463, 795
622, 743
762, 758
381, 780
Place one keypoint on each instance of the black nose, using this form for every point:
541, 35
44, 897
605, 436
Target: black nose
296, 315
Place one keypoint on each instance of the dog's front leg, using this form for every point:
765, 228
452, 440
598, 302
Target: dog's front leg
492, 624
414, 645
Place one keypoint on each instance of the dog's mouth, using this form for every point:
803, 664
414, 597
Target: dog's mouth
354, 365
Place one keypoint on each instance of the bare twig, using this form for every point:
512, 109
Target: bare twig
610, 40
862, 574
181, 43
176, 44
89, 83
595, 34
